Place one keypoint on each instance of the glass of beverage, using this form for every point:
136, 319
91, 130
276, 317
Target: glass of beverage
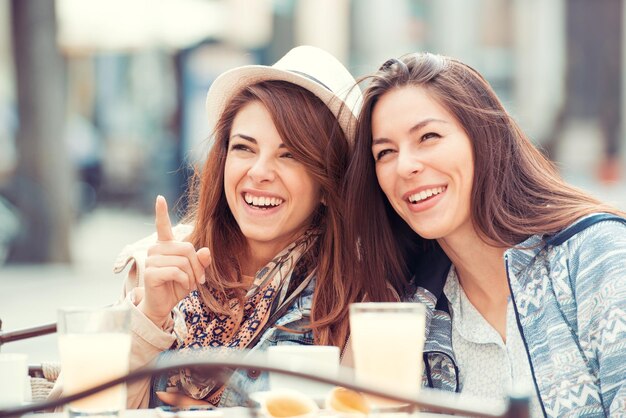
94, 346
388, 340
13, 379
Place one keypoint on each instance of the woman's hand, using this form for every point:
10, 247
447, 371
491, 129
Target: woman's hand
173, 269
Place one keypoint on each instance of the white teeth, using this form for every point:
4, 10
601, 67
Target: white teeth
262, 201
424, 194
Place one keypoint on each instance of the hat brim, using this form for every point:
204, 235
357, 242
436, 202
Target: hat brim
233, 81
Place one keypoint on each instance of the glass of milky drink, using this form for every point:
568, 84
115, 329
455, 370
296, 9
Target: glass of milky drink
94, 346
387, 341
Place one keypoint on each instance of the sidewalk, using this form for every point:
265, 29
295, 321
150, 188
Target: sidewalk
30, 295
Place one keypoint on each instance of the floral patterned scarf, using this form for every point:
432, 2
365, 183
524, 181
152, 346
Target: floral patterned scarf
223, 333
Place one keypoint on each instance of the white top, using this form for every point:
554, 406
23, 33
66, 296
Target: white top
488, 367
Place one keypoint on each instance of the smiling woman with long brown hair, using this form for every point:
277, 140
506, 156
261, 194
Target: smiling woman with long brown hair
258, 260
524, 275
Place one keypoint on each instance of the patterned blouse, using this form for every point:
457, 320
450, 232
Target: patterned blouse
488, 367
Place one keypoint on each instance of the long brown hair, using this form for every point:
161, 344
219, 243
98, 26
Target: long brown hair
517, 192
312, 134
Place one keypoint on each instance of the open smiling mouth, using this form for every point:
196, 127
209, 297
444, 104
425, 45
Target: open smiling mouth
426, 195
262, 202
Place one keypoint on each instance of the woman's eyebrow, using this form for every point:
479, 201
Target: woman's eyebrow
243, 136
423, 123
379, 141
251, 139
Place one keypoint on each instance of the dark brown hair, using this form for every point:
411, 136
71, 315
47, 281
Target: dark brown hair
312, 134
516, 191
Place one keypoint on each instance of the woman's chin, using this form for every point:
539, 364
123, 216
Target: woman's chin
428, 232
430, 236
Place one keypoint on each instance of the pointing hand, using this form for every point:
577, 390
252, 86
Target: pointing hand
173, 269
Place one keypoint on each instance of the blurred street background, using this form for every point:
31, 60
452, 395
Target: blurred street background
102, 108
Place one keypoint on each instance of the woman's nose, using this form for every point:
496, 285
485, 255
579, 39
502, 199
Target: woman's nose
409, 163
262, 170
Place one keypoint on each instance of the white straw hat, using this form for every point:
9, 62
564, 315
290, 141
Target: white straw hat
309, 67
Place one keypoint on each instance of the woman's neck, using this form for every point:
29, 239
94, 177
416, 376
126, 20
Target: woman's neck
482, 275
259, 253
257, 256
252, 262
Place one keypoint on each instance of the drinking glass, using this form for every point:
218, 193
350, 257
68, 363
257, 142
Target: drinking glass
94, 347
13, 379
387, 341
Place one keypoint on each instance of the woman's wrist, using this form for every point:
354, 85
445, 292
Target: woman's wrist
159, 321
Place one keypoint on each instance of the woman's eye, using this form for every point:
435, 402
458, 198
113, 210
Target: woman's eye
239, 147
287, 155
430, 135
381, 154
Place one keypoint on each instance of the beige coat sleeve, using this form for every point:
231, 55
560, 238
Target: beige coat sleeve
148, 340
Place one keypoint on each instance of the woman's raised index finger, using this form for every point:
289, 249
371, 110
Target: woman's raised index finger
162, 220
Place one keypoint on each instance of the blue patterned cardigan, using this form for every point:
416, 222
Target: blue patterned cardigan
569, 294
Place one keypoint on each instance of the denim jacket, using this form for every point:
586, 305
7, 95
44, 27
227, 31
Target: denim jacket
569, 294
244, 382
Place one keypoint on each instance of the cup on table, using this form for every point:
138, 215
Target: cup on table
94, 347
319, 360
388, 341
13, 379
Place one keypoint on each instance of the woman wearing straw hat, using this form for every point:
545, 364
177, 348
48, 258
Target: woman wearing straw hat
258, 260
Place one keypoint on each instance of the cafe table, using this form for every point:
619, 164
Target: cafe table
431, 400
